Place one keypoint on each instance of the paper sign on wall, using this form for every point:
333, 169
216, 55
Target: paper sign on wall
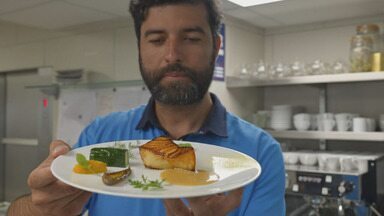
219, 72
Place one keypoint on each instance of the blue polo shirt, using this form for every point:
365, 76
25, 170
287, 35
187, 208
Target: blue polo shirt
265, 196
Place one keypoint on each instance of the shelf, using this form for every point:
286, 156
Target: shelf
54, 88
106, 84
235, 82
316, 169
329, 135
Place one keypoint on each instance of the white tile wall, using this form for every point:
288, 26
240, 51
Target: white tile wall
26, 34
112, 53
306, 46
22, 56
126, 59
94, 52
7, 34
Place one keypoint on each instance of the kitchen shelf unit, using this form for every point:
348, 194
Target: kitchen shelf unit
318, 81
235, 82
329, 135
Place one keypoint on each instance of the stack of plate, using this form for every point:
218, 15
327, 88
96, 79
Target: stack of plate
281, 117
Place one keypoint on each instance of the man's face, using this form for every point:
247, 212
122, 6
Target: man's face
177, 53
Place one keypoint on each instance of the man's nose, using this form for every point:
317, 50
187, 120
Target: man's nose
173, 54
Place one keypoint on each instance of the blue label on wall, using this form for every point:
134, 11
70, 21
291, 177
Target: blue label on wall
219, 73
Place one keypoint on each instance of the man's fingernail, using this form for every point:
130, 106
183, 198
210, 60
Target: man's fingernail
60, 148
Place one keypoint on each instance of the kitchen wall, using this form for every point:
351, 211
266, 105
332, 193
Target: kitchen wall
305, 44
326, 41
107, 50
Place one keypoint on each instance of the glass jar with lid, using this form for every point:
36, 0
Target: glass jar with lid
361, 53
373, 31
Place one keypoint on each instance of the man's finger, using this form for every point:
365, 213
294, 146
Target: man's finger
232, 200
176, 207
41, 177
75, 206
57, 148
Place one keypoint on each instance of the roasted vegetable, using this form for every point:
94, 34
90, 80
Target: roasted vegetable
116, 177
85, 166
114, 157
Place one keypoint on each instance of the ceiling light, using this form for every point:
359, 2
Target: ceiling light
247, 3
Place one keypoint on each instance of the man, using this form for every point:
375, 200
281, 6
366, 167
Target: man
178, 43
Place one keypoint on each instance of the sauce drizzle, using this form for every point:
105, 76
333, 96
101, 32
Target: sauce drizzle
189, 178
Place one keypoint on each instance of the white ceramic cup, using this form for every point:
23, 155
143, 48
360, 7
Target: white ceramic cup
332, 163
329, 124
344, 121
302, 125
302, 121
348, 164
360, 124
371, 124
362, 164
291, 158
322, 161
344, 125
308, 159
314, 123
324, 119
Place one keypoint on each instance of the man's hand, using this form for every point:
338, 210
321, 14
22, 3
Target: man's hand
220, 204
49, 195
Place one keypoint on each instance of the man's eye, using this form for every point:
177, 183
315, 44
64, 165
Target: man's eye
156, 41
192, 39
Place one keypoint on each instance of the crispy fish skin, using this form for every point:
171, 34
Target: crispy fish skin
163, 153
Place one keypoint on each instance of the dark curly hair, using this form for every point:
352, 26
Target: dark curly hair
139, 11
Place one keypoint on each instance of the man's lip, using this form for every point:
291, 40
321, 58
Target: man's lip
174, 74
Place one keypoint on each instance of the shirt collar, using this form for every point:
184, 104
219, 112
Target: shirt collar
215, 123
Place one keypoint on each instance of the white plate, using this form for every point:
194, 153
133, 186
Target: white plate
234, 169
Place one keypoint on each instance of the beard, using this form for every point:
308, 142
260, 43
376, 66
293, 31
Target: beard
178, 92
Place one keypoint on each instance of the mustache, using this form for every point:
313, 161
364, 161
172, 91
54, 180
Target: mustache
179, 69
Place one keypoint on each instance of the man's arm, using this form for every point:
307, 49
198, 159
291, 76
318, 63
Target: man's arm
23, 206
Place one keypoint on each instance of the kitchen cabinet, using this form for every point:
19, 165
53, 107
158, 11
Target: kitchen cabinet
25, 133
320, 82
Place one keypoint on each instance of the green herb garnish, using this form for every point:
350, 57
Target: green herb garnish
185, 145
82, 161
146, 184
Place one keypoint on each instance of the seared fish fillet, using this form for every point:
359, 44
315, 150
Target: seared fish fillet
163, 153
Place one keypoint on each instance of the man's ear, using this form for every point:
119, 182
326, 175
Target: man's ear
218, 44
